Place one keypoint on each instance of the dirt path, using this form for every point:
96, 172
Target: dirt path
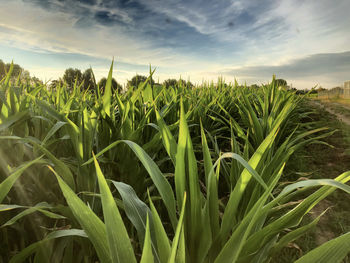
339, 116
332, 159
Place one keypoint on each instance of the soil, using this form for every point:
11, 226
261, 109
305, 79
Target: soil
341, 117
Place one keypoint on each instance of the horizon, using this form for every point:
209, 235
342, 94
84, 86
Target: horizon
303, 42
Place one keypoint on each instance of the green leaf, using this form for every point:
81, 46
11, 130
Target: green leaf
333, 251
235, 244
41, 207
178, 231
19, 116
118, 240
107, 96
293, 235
137, 212
212, 188
8, 76
294, 216
163, 243
92, 225
244, 179
147, 255
163, 186
52, 131
167, 138
21, 256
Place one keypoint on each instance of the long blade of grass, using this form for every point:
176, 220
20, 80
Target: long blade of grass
41, 207
147, 255
107, 96
163, 244
179, 229
137, 212
331, 251
118, 240
92, 225
167, 138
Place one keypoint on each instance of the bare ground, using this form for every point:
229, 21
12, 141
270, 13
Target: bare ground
343, 118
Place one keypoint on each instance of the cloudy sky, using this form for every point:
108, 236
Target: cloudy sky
305, 42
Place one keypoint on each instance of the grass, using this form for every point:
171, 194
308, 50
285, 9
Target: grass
158, 174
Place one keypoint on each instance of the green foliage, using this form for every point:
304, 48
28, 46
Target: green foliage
180, 174
88, 79
116, 87
281, 82
170, 83
17, 72
71, 76
136, 80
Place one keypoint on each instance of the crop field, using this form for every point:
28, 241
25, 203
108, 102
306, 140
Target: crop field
159, 174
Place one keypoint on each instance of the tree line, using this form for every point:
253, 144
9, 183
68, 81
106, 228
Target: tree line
87, 80
17, 72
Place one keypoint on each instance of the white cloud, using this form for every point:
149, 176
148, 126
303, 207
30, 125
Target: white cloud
242, 34
34, 28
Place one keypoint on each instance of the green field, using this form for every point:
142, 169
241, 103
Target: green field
210, 173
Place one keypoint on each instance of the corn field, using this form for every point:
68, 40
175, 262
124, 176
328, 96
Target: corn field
157, 174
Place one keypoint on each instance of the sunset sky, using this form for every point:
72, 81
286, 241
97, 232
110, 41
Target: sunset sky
304, 42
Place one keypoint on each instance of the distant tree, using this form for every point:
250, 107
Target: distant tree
88, 78
115, 85
70, 75
1, 65
189, 84
301, 92
255, 86
185, 83
18, 71
34, 81
26, 75
320, 89
170, 83
4, 69
55, 83
281, 82
136, 80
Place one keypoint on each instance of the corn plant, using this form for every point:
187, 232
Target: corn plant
153, 193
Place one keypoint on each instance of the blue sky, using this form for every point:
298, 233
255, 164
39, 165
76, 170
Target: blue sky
304, 42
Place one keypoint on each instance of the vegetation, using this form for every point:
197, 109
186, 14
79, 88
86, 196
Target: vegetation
136, 81
321, 161
157, 174
17, 74
115, 85
281, 82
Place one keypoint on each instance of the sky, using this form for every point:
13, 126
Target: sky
306, 42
